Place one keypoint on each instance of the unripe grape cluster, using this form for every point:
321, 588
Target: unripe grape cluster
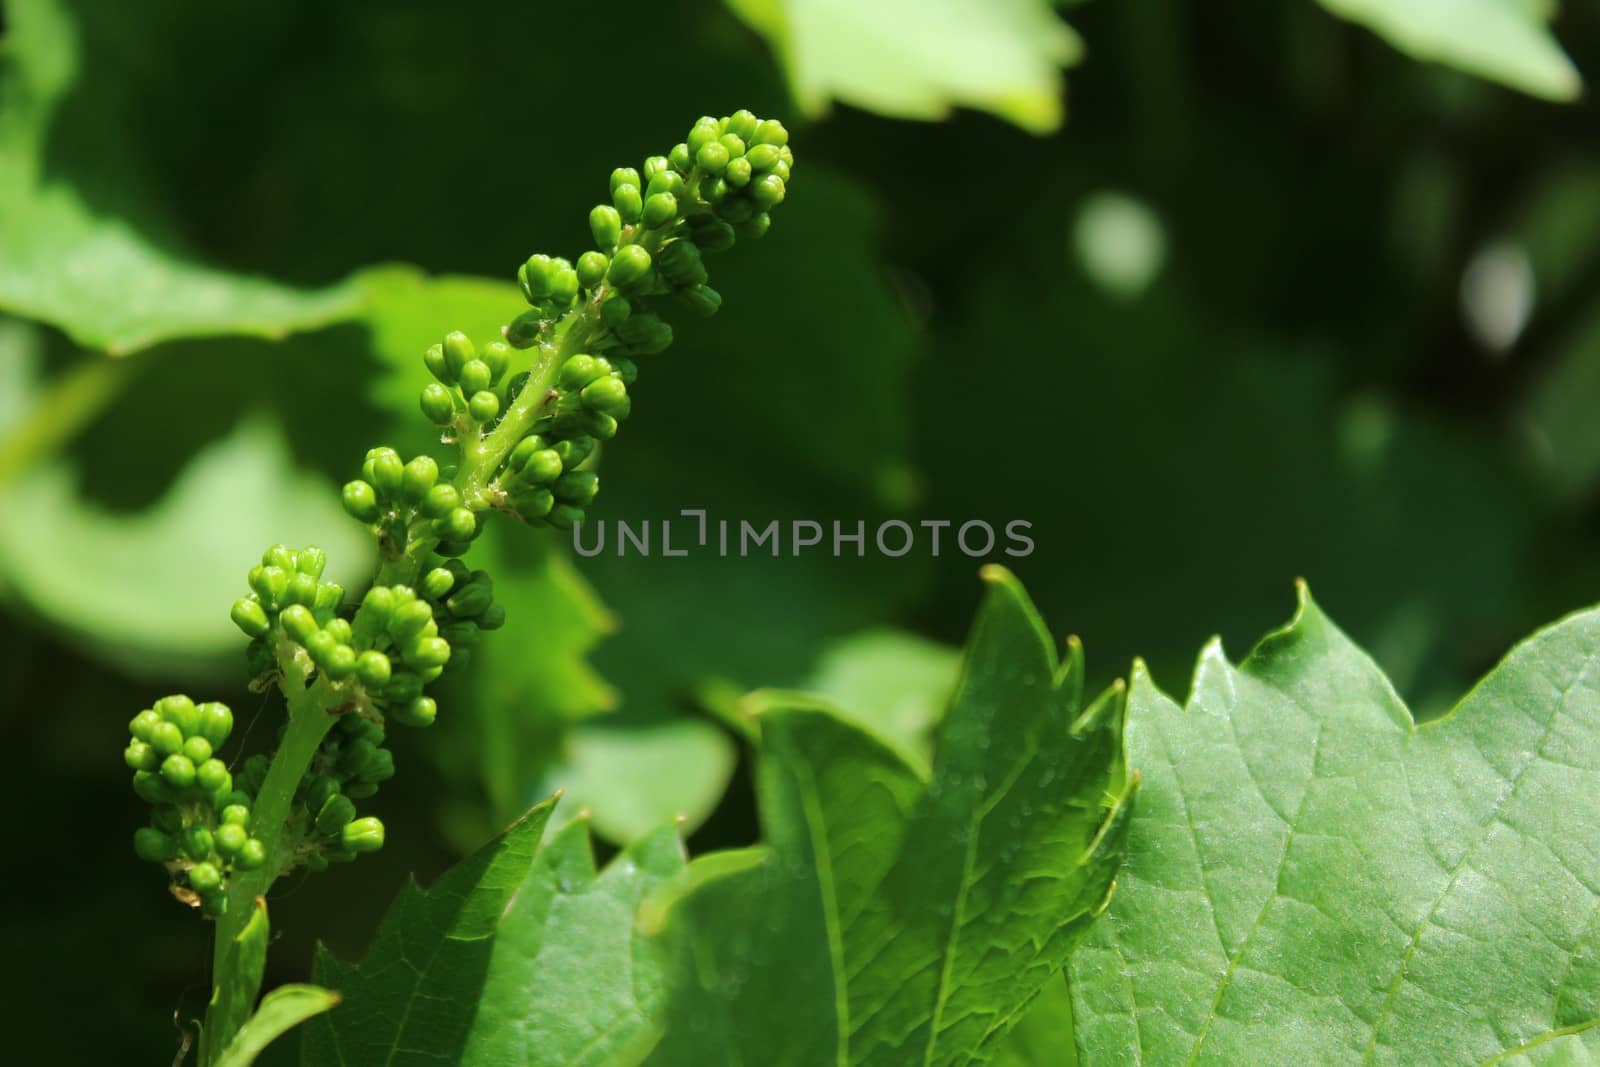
527, 439
200, 818
401, 500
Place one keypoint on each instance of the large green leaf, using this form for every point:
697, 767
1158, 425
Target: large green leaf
1504, 40
1313, 877
84, 244
919, 59
515, 956
151, 589
893, 918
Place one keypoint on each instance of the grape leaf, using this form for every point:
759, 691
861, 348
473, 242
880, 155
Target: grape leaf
281, 1010
894, 682
1312, 875
893, 918
1503, 40
917, 60
83, 245
516, 956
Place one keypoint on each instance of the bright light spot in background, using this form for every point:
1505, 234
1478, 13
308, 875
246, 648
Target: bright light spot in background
1497, 292
1120, 242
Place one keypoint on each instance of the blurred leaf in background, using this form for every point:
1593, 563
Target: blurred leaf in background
918, 60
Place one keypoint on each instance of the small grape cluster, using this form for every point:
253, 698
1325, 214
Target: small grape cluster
200, 821
284, 579
403, 500
721, 182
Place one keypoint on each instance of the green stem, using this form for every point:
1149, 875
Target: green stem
71, 403
310, 719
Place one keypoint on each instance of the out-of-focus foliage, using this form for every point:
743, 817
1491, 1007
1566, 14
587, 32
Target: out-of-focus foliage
949, 325
1506, 40
918, 59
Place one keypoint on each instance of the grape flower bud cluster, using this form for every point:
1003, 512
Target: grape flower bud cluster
200, 819
527, 437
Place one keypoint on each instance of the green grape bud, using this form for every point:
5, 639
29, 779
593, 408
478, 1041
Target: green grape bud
249, 616
251, 856
743, 124
143, 723
212, 777
472, 599
362, 835
535, 505
320, 645
737, 173
680, 262
577, 487
757, 227
214, 722
460, 524
615, 310
524, 329
767, 190
280, 556
433, 359
452, 549
204, 878
542, 467
166, 738
647, 333
738, 211
198, 749
762, 157
230, 838
484, 406
437, 405
701, 299
655, 165
387, 471
665, 182
679, 157
565, 516
373, 668
714, 237
497, 355
605, 223
316, 863
429, 652
360, 502
153, 788
629, 265
380, 768
440, 499
623, 176
493, 617
564, 288
734, 144
302, 589
578, 371
606, 394
140, 756
712, 157
195, 841
269, 583
715, 191
625, 368
411, 619
629, 202
254, 772
771, 131
418, 477
420, 711
522, 450
334, 814
458, 351
600, 425
592, 269
574, 450
153, 846
311, 560
660, 210
340, 662
534, 277
299, 623
703, 133
475, 376
236, 815
180, 711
